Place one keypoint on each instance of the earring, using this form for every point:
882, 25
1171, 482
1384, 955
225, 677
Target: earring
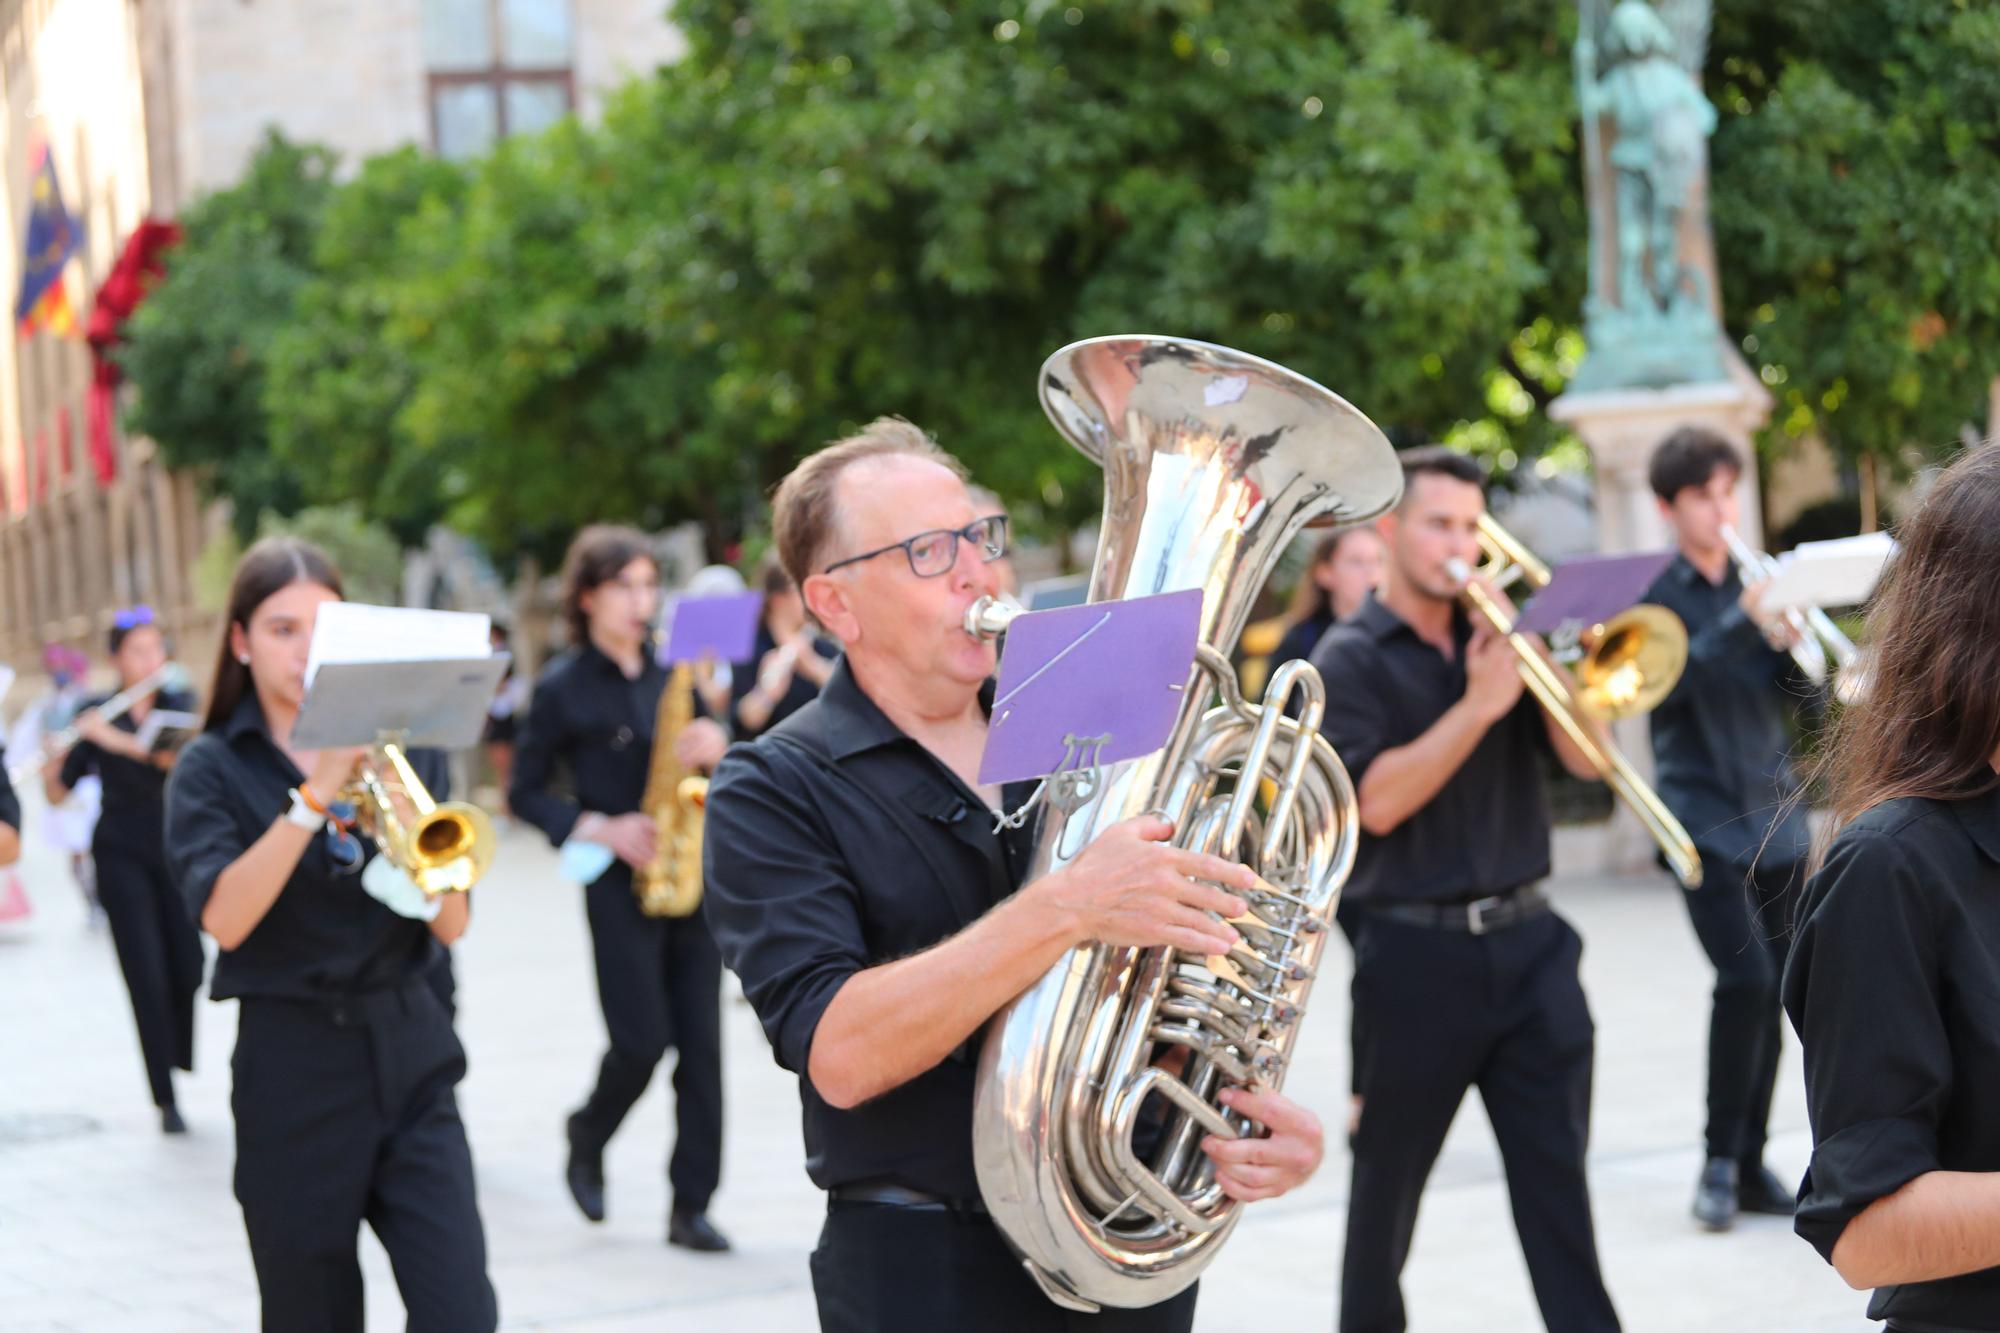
244, 658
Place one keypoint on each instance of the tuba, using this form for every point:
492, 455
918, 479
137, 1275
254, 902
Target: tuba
670, 885
442, 848
1213, 461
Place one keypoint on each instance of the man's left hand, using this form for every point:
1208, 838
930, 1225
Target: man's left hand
1282, 1160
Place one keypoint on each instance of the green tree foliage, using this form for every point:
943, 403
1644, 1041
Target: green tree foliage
343, 368
196, 351
1857, 210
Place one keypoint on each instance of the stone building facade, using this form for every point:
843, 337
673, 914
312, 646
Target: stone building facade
144, 106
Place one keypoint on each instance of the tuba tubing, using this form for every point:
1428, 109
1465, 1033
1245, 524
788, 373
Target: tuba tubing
1213, 461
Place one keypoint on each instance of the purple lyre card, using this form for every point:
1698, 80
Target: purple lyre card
1589, 589
1112, 675
724, 628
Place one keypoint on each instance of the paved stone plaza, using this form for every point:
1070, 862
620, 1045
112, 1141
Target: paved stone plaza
106, 1225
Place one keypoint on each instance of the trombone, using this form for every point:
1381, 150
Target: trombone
1629, 664
1817, 641
442, 848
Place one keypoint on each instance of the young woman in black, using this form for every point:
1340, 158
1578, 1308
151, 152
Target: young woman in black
158, 950
1893, 981
659, 979
345, 1056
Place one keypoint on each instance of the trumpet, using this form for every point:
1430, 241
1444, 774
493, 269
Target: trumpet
1628, 665
110, 710
443, 848
1817, 641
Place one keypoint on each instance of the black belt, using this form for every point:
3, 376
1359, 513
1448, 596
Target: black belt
901, 1196
1481, 916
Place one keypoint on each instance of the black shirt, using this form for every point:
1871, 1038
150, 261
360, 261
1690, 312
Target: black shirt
1720, 740
590, 724
324, 936
10, 804
1300, 640
833, 844
1894, 987
1487, 829
134, 804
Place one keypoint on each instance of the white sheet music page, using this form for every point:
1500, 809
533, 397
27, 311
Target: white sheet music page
357, 632
1831, 573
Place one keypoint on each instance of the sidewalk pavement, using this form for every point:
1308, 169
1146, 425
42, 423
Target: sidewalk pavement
107, 1225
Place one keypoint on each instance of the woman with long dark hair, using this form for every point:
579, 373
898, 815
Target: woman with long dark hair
345, 1058
1894, 978
659, 979
158, 950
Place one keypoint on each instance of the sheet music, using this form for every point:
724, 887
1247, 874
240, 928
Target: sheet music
1842, 572
358, 632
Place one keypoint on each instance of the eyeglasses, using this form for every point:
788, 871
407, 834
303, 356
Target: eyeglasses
132, 617
935, 552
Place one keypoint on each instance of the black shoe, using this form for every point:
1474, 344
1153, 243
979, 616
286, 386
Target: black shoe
1760, 1191
1715, 1195
171, 1122
693, 1231
585, 1175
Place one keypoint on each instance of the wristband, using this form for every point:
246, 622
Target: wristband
302, 815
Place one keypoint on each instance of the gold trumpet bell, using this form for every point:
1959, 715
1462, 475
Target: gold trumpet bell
1631, 662
450, 848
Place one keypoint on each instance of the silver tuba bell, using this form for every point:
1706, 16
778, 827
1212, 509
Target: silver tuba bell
1085, 1141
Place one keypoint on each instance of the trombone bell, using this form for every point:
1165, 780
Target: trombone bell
1631, 662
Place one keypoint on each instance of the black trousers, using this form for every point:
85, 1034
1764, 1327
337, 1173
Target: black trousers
659, 982
1440, 1011
158, 951
1741, 919
883, 1269
345, 1114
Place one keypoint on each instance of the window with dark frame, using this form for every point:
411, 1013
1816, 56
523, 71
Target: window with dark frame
497, 67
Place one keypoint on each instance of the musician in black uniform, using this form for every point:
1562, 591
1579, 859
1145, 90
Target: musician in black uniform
1720, 746
1891, 979
1463, 976
858, 887
158, 949
659, 980
345, 1058
787, 667
10, 817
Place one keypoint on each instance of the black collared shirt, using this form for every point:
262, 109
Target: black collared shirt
589, 728
135, 792
1487, 829
324, 936
1720, 739
833, 844
1893, 985
10, 804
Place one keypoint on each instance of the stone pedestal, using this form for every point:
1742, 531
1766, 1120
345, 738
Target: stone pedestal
1622, 427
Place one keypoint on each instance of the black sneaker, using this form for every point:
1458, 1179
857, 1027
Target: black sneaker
1760, 1191
1715, 1195
693, 1231
584, 1175
171, 1122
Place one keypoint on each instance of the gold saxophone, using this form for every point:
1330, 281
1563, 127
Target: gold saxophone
670, 885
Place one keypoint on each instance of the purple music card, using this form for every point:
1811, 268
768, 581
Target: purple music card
1589, 589
724, 628
1105, 680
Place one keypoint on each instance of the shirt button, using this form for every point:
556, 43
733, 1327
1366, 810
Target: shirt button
622, 738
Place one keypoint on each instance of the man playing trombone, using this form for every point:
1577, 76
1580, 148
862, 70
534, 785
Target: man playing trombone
1720, 744
1463, 975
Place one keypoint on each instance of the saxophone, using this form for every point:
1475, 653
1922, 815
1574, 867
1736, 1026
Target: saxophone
1213, 462
670, 885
